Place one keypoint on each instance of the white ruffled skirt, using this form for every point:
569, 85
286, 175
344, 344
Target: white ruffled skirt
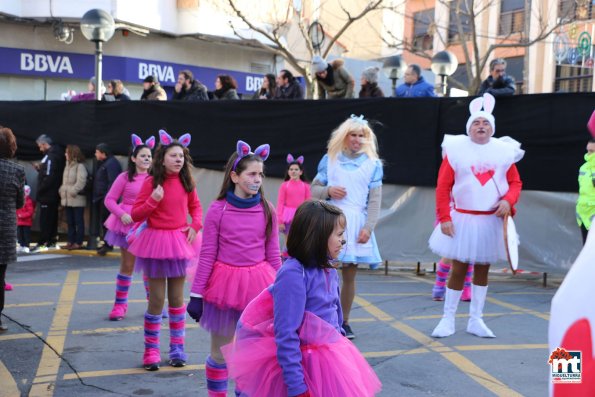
478, 239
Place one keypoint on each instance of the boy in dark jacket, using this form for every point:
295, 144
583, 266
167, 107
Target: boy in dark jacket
108, 168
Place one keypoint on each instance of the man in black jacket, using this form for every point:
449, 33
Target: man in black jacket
108, 169
498, 82
189, 89
288, 87
49, 179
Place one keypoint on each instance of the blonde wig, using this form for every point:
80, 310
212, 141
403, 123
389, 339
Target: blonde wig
336, 143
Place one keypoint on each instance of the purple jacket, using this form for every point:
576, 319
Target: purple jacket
297, 289
237, 237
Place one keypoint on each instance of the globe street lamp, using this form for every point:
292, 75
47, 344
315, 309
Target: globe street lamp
393, 67
444, 64
97, 26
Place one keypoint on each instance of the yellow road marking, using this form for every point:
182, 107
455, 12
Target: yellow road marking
111, 301
362, 320
130, 371
393, 353
121, 329
460, 315
33, 304
464, 364
44, 382
9, 385
498, 302
38, 285
26, 335
479, 375
501, 347
113, 282
394, 294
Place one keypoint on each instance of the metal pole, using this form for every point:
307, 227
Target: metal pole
443, 78
98, 76
394, 80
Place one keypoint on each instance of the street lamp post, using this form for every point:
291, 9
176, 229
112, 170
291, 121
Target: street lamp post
393, 68
98, 26
444, 64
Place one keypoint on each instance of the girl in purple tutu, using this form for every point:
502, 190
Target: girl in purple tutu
239, 256
162, 245
289, 340
119, 201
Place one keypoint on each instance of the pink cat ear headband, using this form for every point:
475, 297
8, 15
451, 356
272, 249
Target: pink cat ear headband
243, 150
137, 141
299, 160
166, 139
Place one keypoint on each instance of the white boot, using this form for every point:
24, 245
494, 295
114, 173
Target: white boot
446, 326
476, 326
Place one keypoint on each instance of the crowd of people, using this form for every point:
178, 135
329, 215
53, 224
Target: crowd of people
332, 80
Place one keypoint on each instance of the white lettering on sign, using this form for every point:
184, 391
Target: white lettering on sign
253, 83
45, 62
163, 73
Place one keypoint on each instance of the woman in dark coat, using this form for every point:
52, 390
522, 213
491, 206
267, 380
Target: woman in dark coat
12, 196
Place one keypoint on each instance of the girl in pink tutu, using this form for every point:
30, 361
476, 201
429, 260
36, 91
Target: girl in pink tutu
289, 340
162, 245
293, 192
119, 201
239, 256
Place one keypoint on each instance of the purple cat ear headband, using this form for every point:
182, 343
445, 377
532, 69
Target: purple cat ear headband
299, 160
243, 150
166, 139
137, 141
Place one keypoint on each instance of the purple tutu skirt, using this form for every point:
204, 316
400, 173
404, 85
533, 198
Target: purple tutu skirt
116, 239
161, 268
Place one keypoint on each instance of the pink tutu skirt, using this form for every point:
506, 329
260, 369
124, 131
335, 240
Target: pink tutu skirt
332, 365
114, 224
160, 244
116, 239
287, 218
228, 292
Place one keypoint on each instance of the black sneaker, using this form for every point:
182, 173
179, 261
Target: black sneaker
104, 249
348, 331
152, 367
177, 362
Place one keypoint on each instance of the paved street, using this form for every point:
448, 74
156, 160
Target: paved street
60, 342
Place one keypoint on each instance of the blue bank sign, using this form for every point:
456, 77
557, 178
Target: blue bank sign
18, 61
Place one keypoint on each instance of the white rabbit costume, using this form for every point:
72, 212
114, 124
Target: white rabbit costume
477, 176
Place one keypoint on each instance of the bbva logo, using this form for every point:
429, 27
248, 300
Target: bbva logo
163, 73
45, 62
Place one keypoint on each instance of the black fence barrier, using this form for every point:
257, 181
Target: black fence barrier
551, 128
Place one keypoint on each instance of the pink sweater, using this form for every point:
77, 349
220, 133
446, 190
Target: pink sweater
292, 194
125, 189
235, 236
169, 213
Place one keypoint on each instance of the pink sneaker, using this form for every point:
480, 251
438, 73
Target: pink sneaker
7, 286
118, 312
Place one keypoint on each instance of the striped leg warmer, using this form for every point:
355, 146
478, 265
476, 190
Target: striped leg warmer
177, 324
121, 305
467, 288
216, 378
152, 330
441, 276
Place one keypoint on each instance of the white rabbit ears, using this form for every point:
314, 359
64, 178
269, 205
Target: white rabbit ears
487, 102
482, 107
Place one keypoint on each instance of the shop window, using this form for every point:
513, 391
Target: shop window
422, 34
574, 77
573, 10
459, 12
512, 17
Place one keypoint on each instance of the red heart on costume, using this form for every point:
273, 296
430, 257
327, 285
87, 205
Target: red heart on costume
578, 337
483, 177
